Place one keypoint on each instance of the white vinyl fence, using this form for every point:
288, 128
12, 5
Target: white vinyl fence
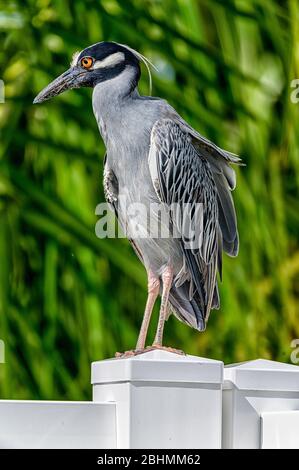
164, 400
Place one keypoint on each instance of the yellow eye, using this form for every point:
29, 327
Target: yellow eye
86, 62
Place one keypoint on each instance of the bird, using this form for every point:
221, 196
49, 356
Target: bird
155, 158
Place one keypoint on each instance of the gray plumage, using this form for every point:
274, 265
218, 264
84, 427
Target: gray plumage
154, 157
147, 141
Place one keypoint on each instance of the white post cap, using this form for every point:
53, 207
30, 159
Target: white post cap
157, 366
262, 374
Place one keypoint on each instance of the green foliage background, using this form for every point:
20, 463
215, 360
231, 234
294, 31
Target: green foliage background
68, 298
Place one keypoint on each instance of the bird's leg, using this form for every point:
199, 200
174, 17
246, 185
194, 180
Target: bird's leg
167, 277
153, 291
153, 284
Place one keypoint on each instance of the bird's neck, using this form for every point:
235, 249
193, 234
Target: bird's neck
110, 100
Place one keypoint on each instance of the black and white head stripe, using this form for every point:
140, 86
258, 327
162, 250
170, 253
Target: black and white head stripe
110, 61
111, 54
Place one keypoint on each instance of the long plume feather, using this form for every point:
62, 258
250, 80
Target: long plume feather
146, 62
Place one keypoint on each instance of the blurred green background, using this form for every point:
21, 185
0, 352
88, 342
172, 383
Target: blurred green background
68, 298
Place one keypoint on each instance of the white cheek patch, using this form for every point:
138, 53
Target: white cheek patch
109, 61
75, 58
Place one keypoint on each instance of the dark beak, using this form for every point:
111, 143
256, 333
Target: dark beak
72, 78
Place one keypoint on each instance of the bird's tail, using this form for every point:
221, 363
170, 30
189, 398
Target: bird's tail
189, 311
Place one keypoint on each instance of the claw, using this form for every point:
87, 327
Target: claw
136, 352
165, 348
131, 353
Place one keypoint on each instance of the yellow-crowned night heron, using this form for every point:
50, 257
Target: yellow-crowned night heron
154, 156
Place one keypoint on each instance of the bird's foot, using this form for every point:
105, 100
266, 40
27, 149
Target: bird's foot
164, 348
136, 352
131, 353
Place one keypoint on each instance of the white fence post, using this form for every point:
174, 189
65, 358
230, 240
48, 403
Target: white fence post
38, 424
260, 399
163, 400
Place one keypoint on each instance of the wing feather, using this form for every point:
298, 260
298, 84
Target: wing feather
225, 179
180, 177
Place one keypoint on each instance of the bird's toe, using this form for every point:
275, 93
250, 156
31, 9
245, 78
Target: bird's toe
131, 353
165, 348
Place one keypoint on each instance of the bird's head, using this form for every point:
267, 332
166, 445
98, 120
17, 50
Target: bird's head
95, 64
